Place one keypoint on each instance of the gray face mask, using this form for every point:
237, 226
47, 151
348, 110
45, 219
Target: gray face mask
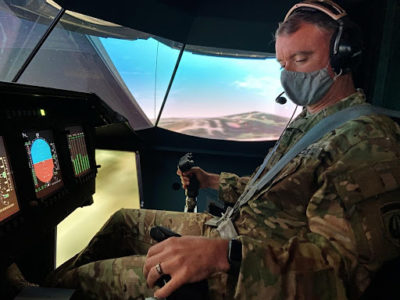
306, 88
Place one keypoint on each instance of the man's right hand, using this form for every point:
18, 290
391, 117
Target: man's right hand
206, 180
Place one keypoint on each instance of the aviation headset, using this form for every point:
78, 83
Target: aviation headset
346, 42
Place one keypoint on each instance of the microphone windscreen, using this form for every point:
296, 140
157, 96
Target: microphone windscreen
281, 100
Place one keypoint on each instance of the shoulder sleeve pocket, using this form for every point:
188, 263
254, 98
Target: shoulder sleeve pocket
368, 181
371, 197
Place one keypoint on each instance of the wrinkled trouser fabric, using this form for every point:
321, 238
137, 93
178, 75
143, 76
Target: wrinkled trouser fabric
110, 267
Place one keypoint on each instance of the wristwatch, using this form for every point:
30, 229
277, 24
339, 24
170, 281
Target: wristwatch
234, 256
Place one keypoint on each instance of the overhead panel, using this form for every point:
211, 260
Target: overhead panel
227, 24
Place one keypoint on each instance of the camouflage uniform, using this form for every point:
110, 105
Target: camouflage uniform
318, 231
110, 267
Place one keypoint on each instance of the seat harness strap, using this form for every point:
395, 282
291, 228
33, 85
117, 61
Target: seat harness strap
224, 224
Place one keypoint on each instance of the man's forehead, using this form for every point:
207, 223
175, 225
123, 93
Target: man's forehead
306, 38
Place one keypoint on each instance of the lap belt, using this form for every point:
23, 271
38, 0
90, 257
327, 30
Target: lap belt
224, 224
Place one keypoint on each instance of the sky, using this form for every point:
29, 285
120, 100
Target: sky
204, 86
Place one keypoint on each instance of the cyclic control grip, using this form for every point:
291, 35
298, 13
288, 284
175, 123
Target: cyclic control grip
186, 162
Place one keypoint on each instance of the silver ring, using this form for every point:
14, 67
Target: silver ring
159, 269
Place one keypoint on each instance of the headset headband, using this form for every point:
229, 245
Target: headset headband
336, 12
331, 9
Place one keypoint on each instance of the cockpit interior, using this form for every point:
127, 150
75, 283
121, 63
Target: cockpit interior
140, 84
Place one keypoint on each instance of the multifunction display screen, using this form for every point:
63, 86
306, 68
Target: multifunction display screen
78, 150
8, 198
43, 161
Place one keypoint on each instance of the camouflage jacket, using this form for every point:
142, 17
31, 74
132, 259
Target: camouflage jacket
328, 219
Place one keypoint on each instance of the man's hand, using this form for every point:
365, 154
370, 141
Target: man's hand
206, 180
186, 259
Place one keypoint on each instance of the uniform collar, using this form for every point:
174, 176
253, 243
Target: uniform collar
352, 100
305, 119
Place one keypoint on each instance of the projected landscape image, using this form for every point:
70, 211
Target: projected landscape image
217, 97
245, 126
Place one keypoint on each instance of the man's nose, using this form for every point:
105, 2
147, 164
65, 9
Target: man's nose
288, 67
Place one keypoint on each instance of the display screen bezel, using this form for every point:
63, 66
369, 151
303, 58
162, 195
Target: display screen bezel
48, 136
82, 167
13, 212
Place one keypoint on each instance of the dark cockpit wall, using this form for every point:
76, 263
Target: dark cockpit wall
217, 29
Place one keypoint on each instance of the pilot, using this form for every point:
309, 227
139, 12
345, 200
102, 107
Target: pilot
318, 230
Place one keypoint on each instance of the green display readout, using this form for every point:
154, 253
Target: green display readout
78, 150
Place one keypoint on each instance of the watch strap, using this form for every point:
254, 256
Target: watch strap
234, 256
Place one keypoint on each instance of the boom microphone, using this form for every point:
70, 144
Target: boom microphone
280, 99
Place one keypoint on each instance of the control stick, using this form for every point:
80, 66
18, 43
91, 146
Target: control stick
185, 164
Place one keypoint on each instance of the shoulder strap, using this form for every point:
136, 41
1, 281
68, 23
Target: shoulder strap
326, 125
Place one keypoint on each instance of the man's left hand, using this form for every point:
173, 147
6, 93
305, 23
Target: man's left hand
186, 259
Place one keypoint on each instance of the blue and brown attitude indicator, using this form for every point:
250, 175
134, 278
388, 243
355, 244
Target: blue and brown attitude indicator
44, 164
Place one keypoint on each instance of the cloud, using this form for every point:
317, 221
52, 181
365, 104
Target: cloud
264, 86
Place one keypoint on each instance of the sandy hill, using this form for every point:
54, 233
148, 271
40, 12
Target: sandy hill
245, 126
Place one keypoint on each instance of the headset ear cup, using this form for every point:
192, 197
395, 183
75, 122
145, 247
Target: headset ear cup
334, 58
349, 48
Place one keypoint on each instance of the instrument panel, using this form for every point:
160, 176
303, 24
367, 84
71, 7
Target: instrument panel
47, 160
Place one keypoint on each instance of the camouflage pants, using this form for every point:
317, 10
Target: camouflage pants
110, 267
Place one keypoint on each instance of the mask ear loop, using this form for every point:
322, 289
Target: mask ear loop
338, 75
